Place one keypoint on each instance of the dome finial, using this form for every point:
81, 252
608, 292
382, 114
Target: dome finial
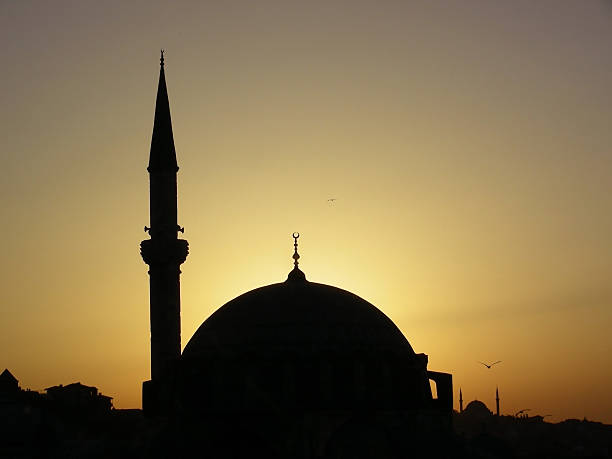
296, 274
161, 59
296, 255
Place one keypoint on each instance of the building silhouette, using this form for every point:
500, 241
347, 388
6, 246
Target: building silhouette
480, 433
79, 397
477, 409
294, 369
70, 420
8, 383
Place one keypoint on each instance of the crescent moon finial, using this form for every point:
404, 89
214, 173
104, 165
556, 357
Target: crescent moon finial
296, 255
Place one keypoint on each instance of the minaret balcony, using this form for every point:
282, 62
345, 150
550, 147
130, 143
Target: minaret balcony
162, 252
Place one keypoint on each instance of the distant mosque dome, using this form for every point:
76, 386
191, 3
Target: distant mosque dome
478, 409
301, 342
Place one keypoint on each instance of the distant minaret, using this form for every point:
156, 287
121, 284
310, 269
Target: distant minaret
497, 400
164, 253
460, 401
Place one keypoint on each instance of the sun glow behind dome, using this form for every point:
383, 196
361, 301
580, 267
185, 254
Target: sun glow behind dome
467, 149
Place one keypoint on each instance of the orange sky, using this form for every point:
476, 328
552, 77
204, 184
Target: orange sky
468, 145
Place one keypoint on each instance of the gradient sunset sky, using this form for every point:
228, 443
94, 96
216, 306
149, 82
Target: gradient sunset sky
468, 145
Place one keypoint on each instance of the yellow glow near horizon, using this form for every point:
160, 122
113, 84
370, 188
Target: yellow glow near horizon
468, 150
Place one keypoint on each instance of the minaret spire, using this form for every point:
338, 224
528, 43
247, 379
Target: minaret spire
497, 400
460, 401
163, 154
164, 253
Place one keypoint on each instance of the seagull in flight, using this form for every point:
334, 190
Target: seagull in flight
490, 365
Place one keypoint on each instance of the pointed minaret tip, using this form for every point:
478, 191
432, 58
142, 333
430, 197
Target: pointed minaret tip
162, 157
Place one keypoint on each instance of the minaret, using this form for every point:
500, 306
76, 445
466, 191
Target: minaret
460, 401
164, 253
497, 400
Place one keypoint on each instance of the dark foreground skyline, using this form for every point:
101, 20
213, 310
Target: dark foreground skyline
75, 419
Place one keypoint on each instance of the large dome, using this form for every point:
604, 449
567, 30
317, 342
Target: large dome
297, 315
299, 344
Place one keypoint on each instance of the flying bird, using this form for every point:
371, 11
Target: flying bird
331, 200
490, 365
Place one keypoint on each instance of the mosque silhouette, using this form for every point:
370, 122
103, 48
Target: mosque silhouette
295, 369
